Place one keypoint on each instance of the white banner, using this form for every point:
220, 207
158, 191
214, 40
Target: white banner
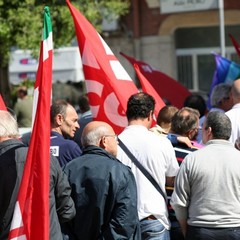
67, 66
171, 6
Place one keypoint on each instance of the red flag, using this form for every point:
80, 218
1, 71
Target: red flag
165, 86
31, 214
148, 88
108, 84
235, 44
2, 104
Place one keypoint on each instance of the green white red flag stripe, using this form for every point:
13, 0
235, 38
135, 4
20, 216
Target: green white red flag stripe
31, 215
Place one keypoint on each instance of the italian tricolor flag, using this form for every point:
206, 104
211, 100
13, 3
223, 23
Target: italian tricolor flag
31, 214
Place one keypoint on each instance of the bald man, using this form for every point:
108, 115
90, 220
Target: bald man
103, 189
234, 113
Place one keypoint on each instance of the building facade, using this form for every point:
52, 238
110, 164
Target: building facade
180, 44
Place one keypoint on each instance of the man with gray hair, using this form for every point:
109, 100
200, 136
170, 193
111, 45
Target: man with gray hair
13, 155
221, 100
103, 189
206, 191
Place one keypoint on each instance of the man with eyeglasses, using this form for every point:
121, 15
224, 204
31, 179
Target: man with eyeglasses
185, 123
103, 189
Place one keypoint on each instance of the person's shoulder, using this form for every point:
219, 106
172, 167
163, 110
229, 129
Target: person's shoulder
159, 131
122, 170
110, 161
196, 153
17, 105
201, 120
54, 164
59, 139
160, 139
235, 109
19, 150
70, 142
74, 164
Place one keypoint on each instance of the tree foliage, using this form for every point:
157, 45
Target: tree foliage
21, 21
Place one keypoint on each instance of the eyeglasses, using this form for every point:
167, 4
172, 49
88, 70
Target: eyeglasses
114, 136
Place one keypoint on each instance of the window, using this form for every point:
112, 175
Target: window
195, 61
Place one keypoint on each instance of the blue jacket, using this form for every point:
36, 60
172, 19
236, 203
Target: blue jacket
63, 149
105, 196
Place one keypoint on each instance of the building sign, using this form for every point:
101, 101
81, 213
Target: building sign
170, 6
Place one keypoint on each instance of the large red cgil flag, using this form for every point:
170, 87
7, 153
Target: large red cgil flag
165, 86
108, 84
2, 104
31, 214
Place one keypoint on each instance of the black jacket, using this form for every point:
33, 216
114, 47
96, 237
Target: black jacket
12, 159
105, 196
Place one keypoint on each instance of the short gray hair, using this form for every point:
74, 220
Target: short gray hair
8, 125
92, 137
220, 125
219, 92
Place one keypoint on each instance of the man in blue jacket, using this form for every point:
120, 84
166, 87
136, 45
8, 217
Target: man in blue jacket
103, 189
64, 124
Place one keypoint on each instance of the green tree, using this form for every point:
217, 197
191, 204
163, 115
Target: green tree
21, 25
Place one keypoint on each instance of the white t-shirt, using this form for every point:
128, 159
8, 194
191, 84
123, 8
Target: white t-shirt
157, 155
234, 115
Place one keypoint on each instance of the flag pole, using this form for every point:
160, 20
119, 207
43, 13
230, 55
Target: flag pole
222, 30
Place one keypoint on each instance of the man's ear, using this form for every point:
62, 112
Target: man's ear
190, 133
209, 131
102, 142
150, 115
59, 119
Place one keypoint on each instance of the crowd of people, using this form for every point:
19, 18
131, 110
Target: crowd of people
176, 180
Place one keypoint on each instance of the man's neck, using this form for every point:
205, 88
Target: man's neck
143, 122
57, 129
2, 139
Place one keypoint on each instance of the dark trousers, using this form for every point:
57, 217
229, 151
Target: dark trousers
176, 232
201, 233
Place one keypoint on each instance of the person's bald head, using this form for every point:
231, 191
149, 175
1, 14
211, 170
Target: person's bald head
100, 134
236, 91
